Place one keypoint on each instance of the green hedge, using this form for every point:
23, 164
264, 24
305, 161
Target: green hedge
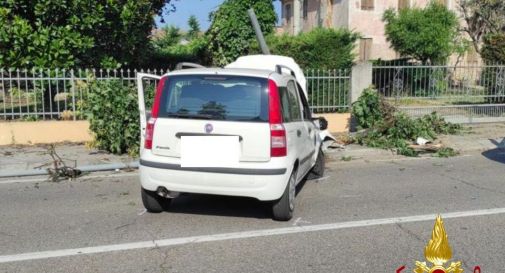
112, 110
320, 48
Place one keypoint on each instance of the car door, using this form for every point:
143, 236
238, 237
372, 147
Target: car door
312, 142
289, 122
301, 132
142, 79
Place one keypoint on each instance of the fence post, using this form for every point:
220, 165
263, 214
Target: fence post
361, 78
72, 79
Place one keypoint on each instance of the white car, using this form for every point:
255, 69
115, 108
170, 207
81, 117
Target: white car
228, 131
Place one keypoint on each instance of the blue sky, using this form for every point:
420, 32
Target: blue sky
199, 8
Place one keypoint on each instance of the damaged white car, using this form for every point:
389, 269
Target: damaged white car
243, 130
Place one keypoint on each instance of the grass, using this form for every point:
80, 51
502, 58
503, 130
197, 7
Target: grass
346, 158
446, 152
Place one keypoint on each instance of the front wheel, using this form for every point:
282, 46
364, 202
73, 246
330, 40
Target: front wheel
318, 169
283, 208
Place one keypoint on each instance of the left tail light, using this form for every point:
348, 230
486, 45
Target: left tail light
148, 143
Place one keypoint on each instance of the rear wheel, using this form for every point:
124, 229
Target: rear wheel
318, 169
153, 202
283, 208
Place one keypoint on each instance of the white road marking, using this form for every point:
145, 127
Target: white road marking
240, 235
38, 180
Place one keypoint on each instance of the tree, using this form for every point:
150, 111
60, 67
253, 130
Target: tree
493, 49
194, 28
482, 17
231, 32
171, 36
320, 48
428, 34
70, 33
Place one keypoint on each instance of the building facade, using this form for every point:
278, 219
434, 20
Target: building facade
363, 16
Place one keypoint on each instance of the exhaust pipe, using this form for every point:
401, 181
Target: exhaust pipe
163, 192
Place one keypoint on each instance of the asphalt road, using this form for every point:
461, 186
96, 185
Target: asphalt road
43, 224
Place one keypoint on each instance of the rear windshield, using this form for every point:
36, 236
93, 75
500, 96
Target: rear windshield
232, 98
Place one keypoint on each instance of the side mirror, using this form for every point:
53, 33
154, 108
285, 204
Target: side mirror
322, 122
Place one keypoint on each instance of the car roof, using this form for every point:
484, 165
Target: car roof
262, 73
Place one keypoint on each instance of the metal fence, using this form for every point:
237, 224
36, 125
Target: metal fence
328, 90
463, 93
448, 83
33, 94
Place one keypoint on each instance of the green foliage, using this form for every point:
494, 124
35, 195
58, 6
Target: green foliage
171, 36
231, 33
446, 152
366, 110
30, 118
493, 50
112, 110
195, 51
388, 129
482, 17
70, 33
320, 48
428, 34
194, 28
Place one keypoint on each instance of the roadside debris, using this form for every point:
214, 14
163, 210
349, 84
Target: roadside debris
59, 169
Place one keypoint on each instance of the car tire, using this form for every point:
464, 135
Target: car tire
283, 208
318, 169
153, 202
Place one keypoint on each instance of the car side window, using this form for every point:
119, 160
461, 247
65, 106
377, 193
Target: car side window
285, 107
307, 114
294, 102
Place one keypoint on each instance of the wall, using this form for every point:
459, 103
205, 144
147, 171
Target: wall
43, 132
337, 122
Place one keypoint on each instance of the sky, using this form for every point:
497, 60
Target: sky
199, 8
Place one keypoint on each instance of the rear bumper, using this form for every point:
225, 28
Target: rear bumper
260, 183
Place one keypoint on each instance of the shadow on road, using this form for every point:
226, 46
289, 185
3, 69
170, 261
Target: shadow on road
220, 205
224, 205
497, 154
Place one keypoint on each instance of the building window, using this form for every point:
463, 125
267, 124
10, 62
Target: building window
403, 4
367, 4
305, 8
288, 15
365, 49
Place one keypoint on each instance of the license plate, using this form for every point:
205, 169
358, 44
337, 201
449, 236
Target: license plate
210, 151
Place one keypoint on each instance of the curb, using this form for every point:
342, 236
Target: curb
87, 168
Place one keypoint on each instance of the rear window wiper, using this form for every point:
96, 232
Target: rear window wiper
196, 116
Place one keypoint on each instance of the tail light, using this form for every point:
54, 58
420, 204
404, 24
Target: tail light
148, 143
278, 143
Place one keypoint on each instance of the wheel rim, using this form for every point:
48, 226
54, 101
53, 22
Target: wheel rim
292, 191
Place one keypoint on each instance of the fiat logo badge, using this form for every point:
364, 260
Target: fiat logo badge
208, 128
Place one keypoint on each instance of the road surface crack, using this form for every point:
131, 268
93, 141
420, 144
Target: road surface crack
462, 181
409, 232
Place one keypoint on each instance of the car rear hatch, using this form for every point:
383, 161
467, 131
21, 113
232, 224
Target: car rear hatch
213, 105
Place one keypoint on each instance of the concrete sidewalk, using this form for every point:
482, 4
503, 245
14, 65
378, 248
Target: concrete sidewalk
477, 138
34, 157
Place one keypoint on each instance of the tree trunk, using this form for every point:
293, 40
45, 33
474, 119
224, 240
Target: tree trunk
328, 19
